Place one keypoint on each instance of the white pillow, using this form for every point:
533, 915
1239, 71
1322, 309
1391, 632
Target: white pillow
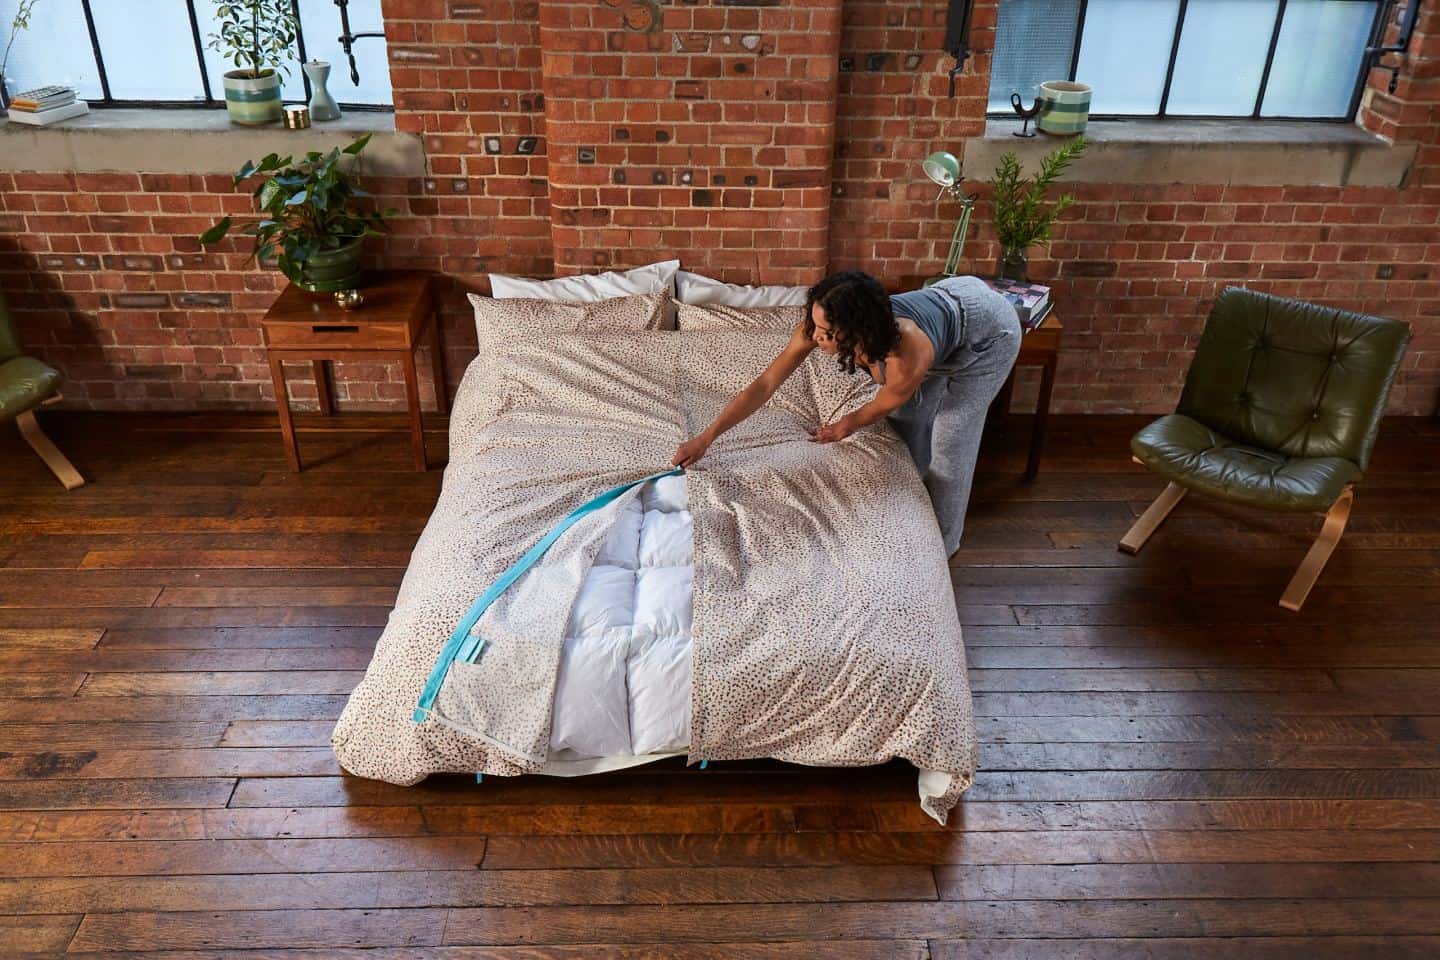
588, 288
693, 288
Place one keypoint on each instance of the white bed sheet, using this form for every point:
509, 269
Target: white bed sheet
623, 692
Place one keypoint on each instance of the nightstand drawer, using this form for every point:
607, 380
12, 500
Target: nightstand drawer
336, 334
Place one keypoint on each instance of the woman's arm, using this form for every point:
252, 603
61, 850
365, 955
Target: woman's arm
904, 374
747, 401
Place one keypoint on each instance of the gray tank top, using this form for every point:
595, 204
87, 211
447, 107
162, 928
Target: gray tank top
935, 312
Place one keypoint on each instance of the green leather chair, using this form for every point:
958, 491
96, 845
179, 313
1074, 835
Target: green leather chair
1280, 411
25, 385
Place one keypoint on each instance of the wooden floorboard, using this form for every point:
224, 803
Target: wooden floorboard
1171, 765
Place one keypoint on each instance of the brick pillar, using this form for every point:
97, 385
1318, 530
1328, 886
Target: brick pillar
698, 130
466, 76
895, 110
1412, 113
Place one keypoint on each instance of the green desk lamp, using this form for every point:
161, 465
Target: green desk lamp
944, 169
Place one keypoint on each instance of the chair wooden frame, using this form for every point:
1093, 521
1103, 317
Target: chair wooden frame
1336, 518
59, 465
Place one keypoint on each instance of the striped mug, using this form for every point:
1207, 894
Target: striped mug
1064, 107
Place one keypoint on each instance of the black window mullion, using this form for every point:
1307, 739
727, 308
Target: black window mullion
199, 51
1079, 36
1383, 11
95, 46
1174, 54
300, 49
1269, 59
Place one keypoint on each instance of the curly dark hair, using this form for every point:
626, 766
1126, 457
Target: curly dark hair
858, 311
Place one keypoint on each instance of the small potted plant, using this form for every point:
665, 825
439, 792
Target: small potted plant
1022, 218
309, 219
256, 36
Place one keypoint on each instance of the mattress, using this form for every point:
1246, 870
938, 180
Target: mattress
622, 694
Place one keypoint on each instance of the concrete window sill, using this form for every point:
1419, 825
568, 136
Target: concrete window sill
1261, 153
194, 141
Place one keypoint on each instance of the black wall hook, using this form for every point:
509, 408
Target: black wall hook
1401, 46
347, 39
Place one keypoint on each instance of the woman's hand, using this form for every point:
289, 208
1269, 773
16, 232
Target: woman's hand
691, 450
831, 432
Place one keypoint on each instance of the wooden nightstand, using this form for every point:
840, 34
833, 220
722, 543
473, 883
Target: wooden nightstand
1039, 347
390, 325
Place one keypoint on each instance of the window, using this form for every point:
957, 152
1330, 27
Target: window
126, 53
1276, 59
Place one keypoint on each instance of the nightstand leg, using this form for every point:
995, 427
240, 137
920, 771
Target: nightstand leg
322, 386
1042, 414
437, 360
282, 406
412, 398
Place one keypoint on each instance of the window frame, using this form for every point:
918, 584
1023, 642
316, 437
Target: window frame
1382, 10
210, 101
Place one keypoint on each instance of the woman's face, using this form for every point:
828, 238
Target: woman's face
822, 335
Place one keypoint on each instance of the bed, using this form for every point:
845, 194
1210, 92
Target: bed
781, 599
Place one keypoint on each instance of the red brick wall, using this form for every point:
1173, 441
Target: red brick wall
815, 113
708, 137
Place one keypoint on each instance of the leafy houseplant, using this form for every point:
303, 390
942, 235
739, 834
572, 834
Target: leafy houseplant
21, 22
309, 220
256, 36
1022, 218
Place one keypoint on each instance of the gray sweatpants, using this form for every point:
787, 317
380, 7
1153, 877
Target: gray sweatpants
942, 423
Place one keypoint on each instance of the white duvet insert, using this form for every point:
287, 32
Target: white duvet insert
623, 690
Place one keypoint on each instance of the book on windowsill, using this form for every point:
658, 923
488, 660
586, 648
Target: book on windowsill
1030, 300
42, 98
43, 118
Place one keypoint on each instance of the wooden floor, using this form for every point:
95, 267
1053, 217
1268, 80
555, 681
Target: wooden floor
1172, 766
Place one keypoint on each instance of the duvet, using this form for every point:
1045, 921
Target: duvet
823, 625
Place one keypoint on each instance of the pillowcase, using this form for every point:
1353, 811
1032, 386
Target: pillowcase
715, 316
497, 321
589, 288
694, 288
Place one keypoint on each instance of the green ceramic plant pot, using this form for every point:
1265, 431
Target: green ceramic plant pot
253, 101
331, 270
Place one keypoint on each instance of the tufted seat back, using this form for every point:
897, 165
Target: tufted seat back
9, 343
1292, 377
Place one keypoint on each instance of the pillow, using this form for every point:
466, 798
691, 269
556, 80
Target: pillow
588, 288
693, 288
499, 320
715, 316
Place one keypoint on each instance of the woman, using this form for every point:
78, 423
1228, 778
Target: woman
939, 354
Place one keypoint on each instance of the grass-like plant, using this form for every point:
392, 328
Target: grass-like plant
21, 22
1022, 217
305, 208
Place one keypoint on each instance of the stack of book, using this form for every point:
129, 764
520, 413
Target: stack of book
1031, 300
46, 105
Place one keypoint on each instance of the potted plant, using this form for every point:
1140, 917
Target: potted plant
309, 219
1022, 218
256, 36
21, 22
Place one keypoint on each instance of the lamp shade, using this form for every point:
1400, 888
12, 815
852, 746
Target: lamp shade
942, 167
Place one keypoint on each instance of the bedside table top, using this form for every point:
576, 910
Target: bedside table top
391, 297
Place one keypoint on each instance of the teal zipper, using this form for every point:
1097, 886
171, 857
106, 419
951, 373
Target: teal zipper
461, 644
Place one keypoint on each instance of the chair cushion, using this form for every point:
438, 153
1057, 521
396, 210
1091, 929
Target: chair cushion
25, 383
1196, 457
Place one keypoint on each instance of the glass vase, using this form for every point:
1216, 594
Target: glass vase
1013, 264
